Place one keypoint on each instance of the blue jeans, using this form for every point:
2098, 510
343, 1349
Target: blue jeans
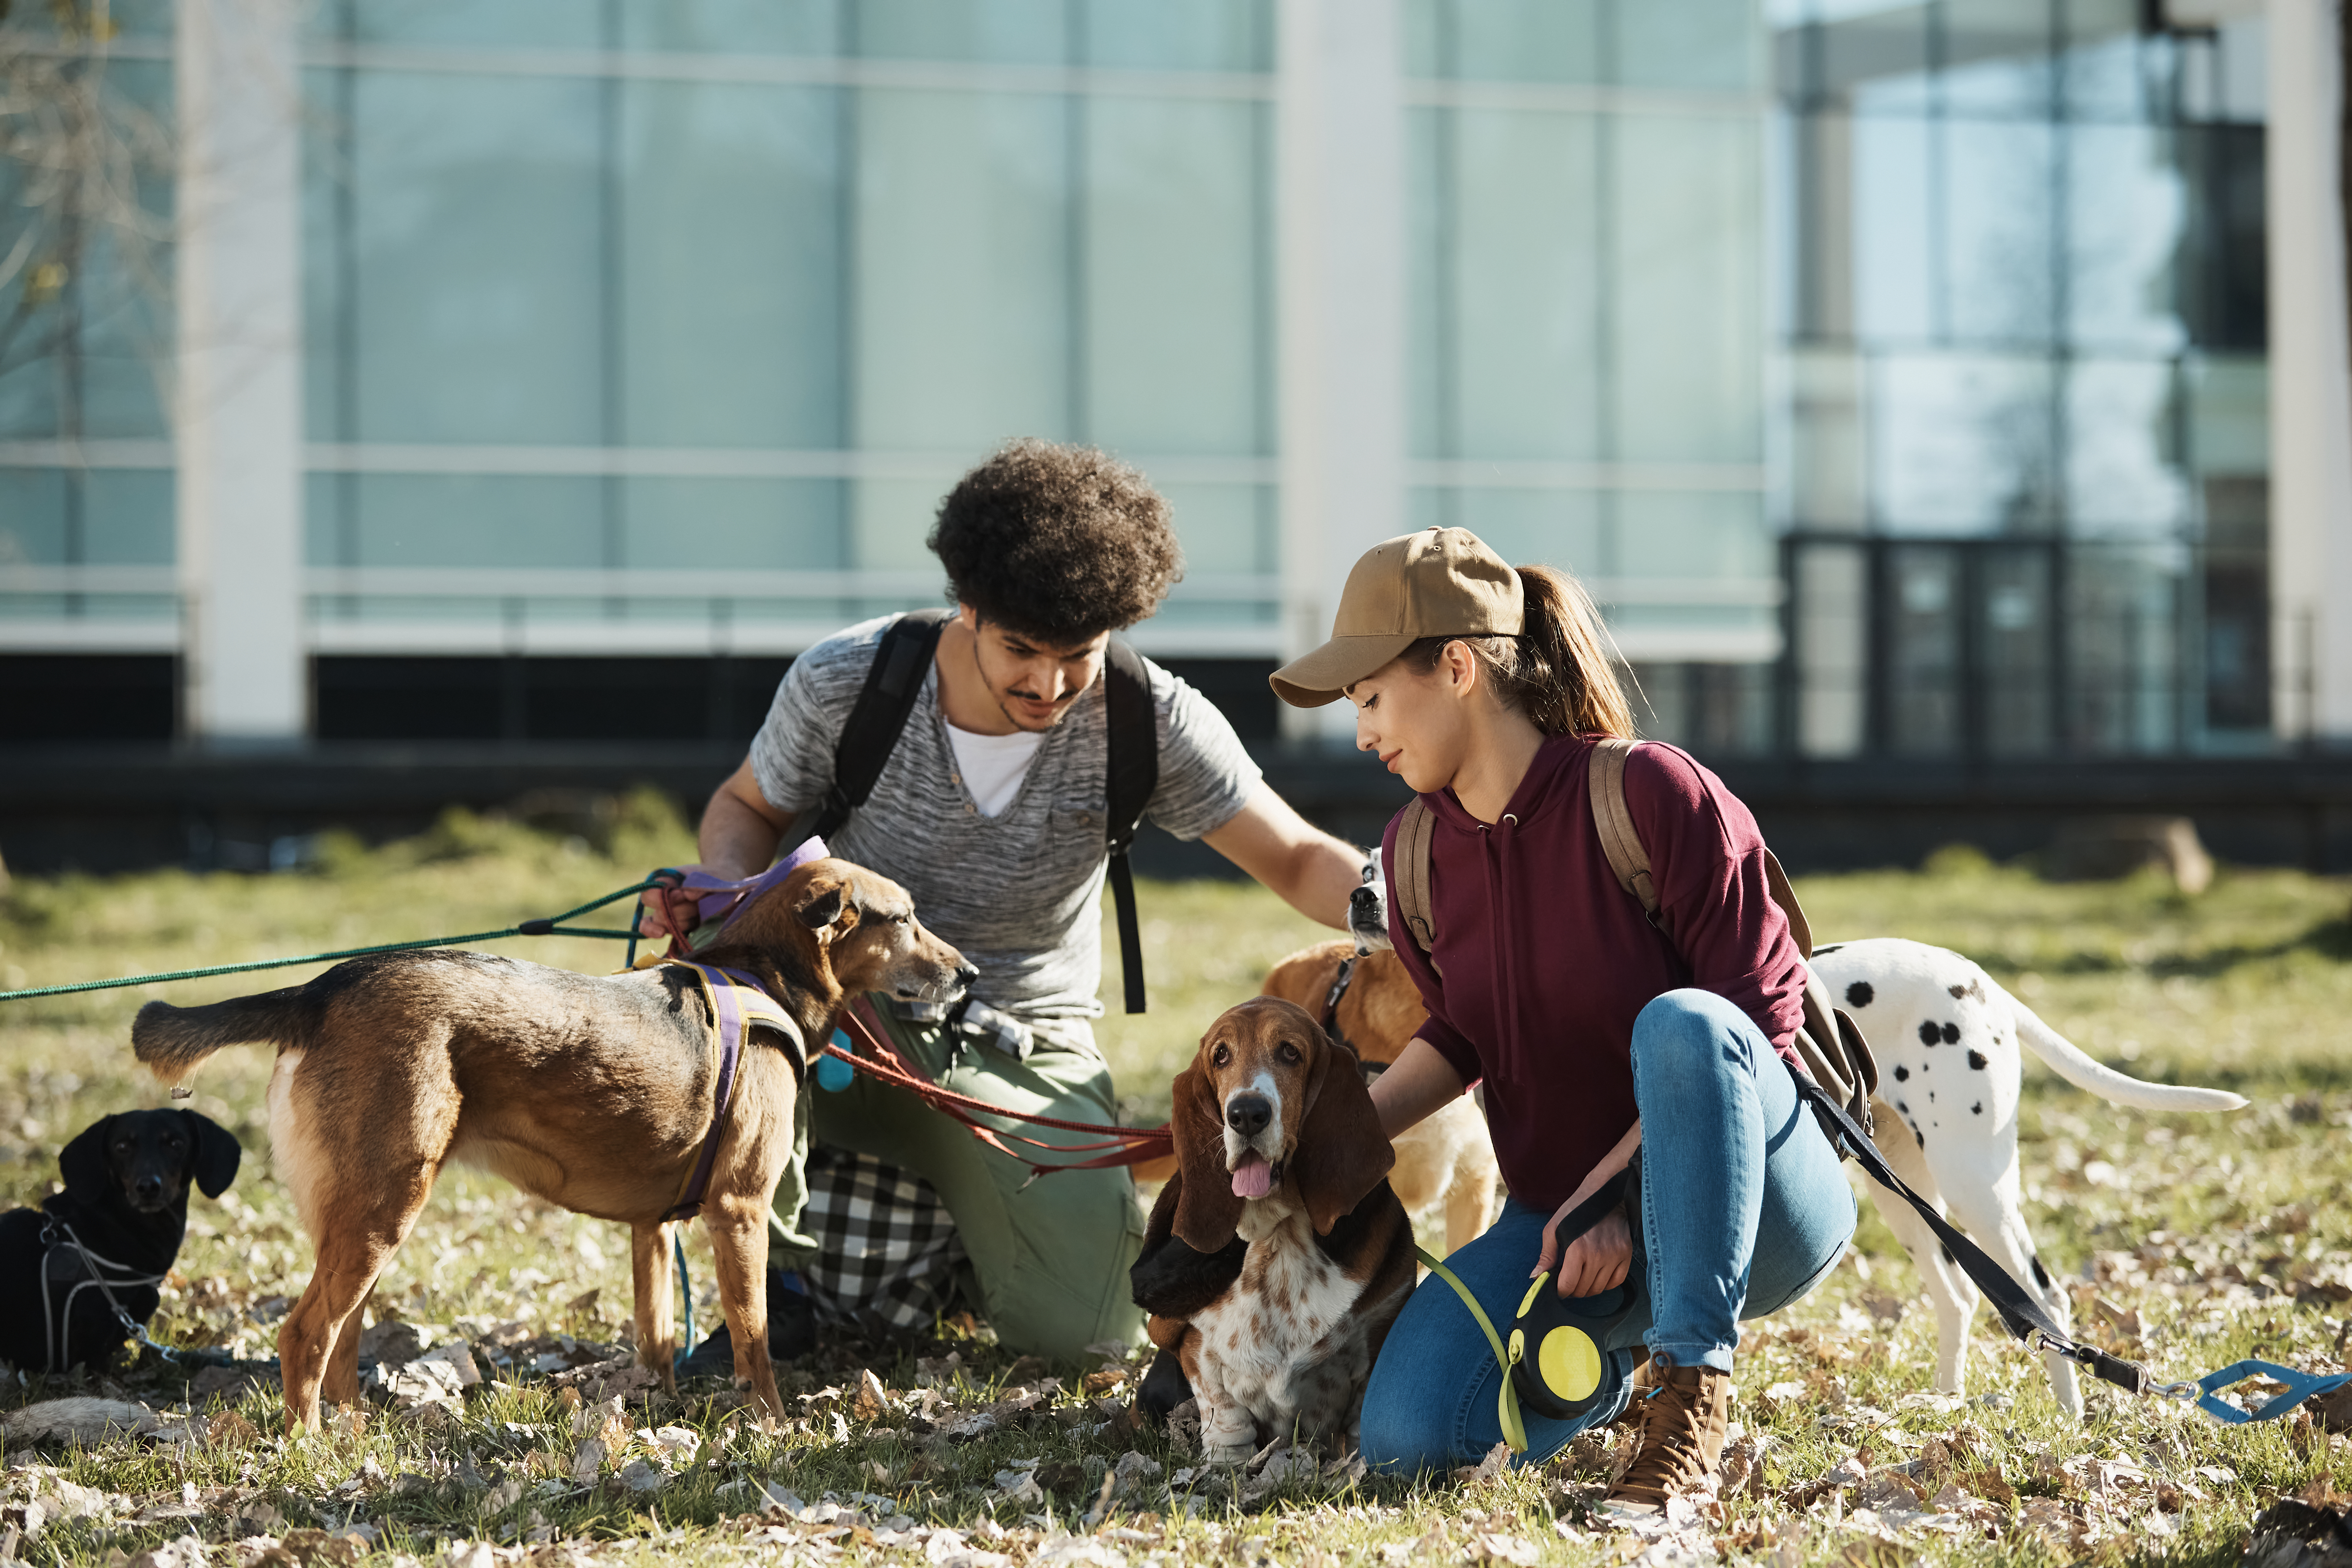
1743, 1210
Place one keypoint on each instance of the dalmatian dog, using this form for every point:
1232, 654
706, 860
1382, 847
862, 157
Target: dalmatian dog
1947, 1036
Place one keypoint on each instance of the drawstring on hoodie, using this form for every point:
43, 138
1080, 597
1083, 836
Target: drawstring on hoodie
1498, 907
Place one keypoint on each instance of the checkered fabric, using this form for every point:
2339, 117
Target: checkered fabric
973, 1019
887, 1249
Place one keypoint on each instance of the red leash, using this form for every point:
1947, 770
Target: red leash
1135, 1144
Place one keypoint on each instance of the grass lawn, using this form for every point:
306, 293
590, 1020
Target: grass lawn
2192, 1240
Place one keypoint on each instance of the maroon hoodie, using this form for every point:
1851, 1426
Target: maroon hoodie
1546, 961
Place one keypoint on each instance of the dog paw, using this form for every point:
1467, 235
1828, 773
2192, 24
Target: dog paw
1224, 1454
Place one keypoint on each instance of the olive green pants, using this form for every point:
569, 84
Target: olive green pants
1051, 1256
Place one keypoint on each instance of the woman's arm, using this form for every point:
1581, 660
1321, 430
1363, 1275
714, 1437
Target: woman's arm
1417, 1085
1598, 1260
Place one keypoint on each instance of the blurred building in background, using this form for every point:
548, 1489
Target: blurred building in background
1898, 375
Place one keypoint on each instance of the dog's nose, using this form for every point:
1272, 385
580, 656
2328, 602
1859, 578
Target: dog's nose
1247, 1114
147, 1186
966, 974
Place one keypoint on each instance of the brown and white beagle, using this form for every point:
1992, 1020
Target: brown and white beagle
1277, 1257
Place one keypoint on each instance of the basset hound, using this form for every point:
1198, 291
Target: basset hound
1277, 1257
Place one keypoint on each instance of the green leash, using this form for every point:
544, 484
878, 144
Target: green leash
553, 926
1507, 1404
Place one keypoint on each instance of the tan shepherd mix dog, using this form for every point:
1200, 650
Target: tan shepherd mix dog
1448, 1158
593, 1093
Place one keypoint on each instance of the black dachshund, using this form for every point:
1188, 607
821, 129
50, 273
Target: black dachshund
89, 1256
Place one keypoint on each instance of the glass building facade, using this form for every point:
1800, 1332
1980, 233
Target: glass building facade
1894, 374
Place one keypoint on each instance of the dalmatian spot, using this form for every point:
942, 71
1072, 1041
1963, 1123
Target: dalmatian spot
1902, 1074
1931, 1094
1903, 1107
1929, 1034
1858, 993
1977, 1109
1977, 1059
1922, 1137
1945, 1248
2041, 1275
1951, 1034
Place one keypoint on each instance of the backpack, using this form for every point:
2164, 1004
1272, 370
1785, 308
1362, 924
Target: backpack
1131, 767
1829, 1042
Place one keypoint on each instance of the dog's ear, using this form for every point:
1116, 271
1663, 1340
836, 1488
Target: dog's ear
1207, 1209
83, 1161
1339, 1155
820, 909
214, 1158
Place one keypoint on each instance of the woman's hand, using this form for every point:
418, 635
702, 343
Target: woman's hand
1597, 1260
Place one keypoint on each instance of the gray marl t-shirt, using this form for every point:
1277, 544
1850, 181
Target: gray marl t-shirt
1020, 894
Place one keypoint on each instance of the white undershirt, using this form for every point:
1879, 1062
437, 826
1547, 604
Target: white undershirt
993, 766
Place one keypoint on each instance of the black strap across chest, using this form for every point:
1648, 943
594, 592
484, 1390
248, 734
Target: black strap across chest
1131, 765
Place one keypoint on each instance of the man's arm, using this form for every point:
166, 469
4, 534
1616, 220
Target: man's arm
737, 838
1313, 871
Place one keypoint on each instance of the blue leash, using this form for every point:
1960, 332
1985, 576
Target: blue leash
2300, 1386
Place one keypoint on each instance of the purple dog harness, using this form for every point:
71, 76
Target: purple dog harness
737, 1002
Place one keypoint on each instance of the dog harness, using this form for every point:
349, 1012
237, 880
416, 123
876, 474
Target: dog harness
737, 1002
68, 1267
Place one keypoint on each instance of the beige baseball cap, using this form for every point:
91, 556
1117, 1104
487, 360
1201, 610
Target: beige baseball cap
1440, 582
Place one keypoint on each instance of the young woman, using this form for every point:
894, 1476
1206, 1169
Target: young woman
1597, 1033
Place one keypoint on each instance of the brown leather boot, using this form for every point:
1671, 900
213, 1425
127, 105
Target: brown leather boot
1682, 1413
1637, 1388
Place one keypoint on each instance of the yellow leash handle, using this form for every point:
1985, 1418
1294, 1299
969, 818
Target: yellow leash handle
1506, 1405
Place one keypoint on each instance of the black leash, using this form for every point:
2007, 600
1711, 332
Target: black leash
2025, 1316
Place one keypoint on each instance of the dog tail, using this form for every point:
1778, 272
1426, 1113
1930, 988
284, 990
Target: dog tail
2078, 1068
173, 1041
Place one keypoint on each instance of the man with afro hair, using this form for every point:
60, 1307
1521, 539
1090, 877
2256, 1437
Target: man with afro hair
990, 811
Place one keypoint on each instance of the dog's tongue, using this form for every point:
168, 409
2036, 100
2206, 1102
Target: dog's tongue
1252, 1178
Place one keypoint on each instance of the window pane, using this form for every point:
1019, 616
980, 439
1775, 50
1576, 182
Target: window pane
467, 519
1524, 302
32, 517
1224, 527
1174, 323
753, 524
1689, 307
2123, 471
733, 26
527, 24
963, 255
326, 190
2107, 68
1199, 35
2129, 206
1965, 444
1923, 647
1514, 40
1010, 31
1997, 55
127, 517
480, 216
1702, 535
1895, 261
1710, 44
2015, 636
2001, 179
731, 265
1530, 526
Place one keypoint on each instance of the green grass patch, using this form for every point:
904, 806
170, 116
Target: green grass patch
2191, 1241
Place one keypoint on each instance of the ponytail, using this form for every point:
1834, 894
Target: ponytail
1558, 671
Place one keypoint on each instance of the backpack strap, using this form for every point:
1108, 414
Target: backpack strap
1415, 828
1619, 841
872, 732
1831, 1043
1131, 773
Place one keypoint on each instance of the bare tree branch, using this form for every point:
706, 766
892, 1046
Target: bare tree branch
80, 240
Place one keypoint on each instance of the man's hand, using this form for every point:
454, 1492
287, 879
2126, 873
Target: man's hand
1597, 1260
668, 911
